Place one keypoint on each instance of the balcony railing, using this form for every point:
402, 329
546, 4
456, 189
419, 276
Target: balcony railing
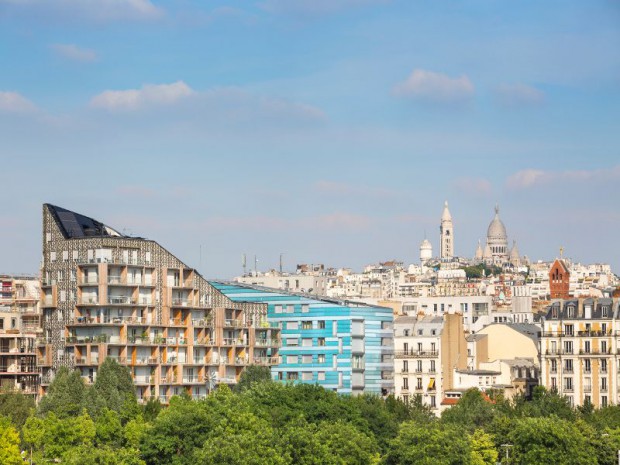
233, 323
202, 322
180, 303
265, 361
415, 353
267, 343
233, 342
122, 300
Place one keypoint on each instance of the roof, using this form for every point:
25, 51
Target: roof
527, 329
479, 372
75, 225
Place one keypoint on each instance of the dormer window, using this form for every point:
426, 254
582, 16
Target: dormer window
554, 312
605, 311
571, 311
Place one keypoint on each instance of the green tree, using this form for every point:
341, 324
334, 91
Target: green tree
251, 375
16, 406
472, 411
104, 455
242, 439
347, 444
550, 440
51, 438
135, 431
300, 444
429, 445
544, 403
108, 429
9, 443
151, 409
66, 395
483, 451
115, 388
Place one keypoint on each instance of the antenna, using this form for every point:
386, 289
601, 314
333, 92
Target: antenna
255, 265
244, 264
281, 255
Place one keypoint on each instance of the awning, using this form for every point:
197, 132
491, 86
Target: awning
431, 384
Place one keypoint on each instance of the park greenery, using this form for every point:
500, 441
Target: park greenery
261, 422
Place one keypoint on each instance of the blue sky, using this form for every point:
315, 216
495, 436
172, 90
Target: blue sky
328, 130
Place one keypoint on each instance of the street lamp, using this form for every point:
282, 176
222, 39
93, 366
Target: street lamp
507, 447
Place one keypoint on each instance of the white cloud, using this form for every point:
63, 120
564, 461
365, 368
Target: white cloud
148, 95
75, 53
531, 177
218, 105
519, 94
437, 87
13, 102
99, 10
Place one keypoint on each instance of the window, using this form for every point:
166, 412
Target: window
306, 325
65, 255
52, 256
568, 329
571, 311
13, 323
603, 366
432, 370
1, 323
306, 342
305, 308
419, 367
603, 401
321, 376
320, 358
73, 275
605, 311
568, 365
306, 376
306, 359
290, 308
294, 325
322, 324
568, 384
568, 347
604, 347
321, 341
419, 383
277, 309
587, 367
292, 341
406, 332
420, 332
433, 402
554, 366
405, 384
586, 347
292, 375
405, 366
604, 384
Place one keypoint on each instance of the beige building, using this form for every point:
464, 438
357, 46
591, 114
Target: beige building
427, 350
105, 294
579, 350
19, 325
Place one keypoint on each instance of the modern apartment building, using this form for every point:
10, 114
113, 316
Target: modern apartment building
19, 324
105, 294
427, 351
342, 346
579, 347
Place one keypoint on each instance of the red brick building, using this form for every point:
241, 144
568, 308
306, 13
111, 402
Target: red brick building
559, 280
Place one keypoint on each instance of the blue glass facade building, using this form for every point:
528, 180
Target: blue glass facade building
343, 346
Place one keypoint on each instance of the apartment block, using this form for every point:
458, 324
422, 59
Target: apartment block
579, 350
106, 294
427, 351
19, 324
343, 346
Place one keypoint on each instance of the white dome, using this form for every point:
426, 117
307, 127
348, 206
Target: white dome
497, 230
426, 251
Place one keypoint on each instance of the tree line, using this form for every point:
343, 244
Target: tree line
261, 422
